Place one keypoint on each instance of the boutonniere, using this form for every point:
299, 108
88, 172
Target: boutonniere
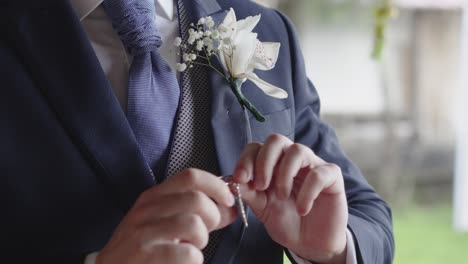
238, 51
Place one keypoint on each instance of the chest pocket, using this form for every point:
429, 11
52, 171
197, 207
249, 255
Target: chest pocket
279, 122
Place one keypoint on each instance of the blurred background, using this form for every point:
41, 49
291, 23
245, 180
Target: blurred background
392, 79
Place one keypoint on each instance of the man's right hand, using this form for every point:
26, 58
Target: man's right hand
172, 221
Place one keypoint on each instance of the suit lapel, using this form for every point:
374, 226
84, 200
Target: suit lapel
230, 136
202, 8
62, 63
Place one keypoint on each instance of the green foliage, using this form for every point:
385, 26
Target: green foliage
327, 12
425, 236
347, 14
382, 15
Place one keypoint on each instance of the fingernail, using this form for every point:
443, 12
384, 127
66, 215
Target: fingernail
304, 211
301, 211
244, 176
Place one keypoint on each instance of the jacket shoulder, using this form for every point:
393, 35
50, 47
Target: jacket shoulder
272, 20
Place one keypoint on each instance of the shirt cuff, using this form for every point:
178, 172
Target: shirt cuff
91, 258
350, 252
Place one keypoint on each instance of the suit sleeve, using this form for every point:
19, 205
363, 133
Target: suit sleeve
370, 219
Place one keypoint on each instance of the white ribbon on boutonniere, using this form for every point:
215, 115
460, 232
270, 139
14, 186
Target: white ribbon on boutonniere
238, 51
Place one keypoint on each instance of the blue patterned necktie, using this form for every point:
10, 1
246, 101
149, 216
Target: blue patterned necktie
153, 90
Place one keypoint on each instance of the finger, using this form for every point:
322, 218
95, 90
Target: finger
173, 253
189, 228
194, 180
228, 216
324, 179
267, 158
295, 158
194, 202
245, 166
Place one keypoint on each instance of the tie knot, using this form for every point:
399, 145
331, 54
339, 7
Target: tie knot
135, 23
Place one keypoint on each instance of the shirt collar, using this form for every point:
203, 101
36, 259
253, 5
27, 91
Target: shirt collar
167, 7
84, 7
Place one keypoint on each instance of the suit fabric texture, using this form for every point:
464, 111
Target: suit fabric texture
70, 167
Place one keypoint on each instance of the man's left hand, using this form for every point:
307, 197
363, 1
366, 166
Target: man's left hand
298, 197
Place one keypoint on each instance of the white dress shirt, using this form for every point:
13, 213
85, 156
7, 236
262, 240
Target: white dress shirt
115, 62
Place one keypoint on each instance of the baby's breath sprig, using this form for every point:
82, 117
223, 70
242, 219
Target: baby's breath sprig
203, 42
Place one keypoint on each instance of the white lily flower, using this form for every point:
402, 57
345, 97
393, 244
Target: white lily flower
242, 52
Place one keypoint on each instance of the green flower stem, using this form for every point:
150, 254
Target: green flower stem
236, 89
382, 15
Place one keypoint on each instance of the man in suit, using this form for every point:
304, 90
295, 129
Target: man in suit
75, 179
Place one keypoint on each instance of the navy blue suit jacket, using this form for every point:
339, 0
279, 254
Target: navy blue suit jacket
70, 167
